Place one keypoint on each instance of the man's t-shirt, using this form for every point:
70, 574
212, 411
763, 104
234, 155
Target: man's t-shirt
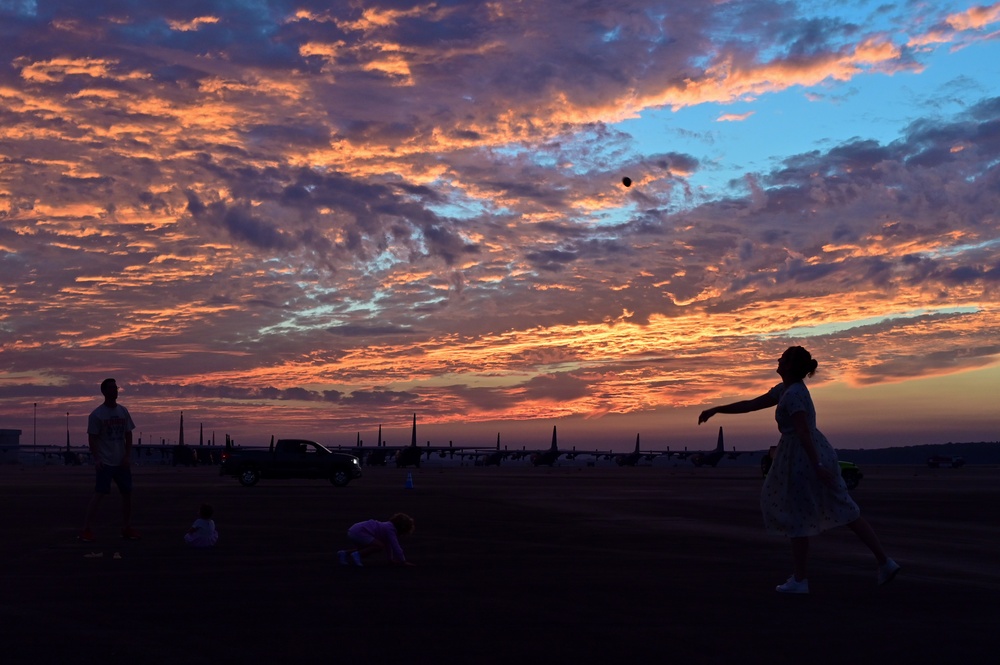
110, 426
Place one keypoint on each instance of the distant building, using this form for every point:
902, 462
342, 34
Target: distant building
10, 445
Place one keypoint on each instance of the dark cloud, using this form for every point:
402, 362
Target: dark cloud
551, 259
376, 398
909, 366
484, 400
558, 387
973, 274
285, 135
244, 225
446, 244
367, 331
674, 161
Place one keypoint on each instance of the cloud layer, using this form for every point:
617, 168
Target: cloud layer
292, 218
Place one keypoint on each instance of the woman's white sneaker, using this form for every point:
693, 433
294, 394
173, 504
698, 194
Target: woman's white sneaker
887, 571
793, 585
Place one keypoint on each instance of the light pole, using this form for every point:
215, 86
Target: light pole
34, 426
67, 430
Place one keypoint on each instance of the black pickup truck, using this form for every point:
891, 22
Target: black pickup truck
289, 458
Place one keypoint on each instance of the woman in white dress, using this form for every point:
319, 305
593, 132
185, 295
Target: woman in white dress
804, 493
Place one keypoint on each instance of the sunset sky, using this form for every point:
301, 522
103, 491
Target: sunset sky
311, 218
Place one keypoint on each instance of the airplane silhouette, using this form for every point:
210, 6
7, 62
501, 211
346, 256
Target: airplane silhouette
375, 457
181, 453
494, 457
712, 457
550, 455
68, 455
403, 456
410, 455
636, 456
547, 457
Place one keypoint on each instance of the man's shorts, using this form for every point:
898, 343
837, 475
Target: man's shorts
122, 475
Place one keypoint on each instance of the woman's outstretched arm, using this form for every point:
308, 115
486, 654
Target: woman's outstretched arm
744, 406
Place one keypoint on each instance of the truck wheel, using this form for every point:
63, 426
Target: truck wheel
850, 478
249, 476
340, 478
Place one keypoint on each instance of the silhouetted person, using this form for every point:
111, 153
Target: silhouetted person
203, 532
804, 493
373, 536
109, 432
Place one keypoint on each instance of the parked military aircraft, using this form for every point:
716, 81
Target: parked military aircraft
403, 456
636, 456
67, 454
494, 457
547, 457
550, 455
711, 457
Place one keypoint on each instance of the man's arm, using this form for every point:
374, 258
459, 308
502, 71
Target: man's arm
127, 459
94, 442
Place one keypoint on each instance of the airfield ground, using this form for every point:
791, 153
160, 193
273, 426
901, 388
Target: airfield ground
563, 565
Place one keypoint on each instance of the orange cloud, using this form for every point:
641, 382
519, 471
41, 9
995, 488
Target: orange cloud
975, 18
193, 24
734, 117
57, 69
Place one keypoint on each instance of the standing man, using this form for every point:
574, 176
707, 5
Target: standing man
109, 431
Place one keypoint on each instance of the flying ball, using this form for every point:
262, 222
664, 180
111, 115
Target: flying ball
627, 181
